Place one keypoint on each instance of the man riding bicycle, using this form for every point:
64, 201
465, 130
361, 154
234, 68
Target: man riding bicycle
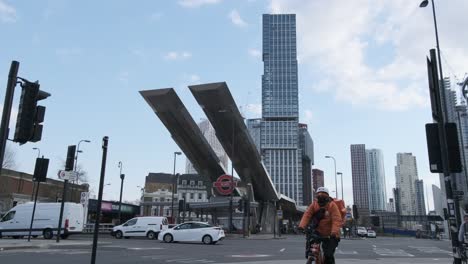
327, 217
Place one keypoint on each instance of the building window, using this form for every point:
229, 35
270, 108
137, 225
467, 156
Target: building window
192, 183
184, 182
199, 196
191, 196
200, 183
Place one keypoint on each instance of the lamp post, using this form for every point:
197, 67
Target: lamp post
452, 203
77, 152
176, 153
336, 184
342, 195
33, 182
122, 177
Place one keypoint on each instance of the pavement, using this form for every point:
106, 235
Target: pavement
257, 249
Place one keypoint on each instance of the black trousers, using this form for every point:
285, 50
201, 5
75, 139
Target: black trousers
328, 247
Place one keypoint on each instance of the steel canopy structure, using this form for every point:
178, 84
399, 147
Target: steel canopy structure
167, 105
220, 108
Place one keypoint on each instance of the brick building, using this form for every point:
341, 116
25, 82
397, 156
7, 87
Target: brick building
16, 188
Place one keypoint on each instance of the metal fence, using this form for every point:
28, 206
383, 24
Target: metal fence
103, 228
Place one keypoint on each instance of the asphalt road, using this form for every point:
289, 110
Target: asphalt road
287, 250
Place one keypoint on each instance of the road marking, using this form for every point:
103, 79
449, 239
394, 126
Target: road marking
250, 256
282, 250
346, 252
191, 260
431, 250
392, 252
154, 248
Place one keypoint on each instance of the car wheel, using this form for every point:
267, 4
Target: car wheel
151, 235
1, 235
168, 238
48, 234
207, 239
32, 236
118, 234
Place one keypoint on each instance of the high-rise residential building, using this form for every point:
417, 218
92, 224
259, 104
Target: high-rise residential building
210, 134
376, 180
359, 177
306, 144
406, 174
254, 128
280, 105
439, 199
420, 201
317, 180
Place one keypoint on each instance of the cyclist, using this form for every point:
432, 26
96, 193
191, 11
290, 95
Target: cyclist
328, 219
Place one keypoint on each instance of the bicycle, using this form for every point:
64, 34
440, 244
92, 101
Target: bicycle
463, 254
314, 252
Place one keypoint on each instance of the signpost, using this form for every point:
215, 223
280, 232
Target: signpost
224, 184
67, 175
84, 200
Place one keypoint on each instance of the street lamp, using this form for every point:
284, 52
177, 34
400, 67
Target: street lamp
341, 174
79, 151
334, 162
176, 153
122, 177
449, 179
33, 182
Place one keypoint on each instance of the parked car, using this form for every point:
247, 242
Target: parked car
361, 231
149, 226
16, 222
193, 232
371, 233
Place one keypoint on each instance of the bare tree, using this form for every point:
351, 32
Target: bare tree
9, 159
82, 174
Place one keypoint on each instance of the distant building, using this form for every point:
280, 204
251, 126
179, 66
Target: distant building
210, 134
359, 177
406, 174
306, 144
254, 128
391, 205
317, 180
439, 200
376, 180
420, 201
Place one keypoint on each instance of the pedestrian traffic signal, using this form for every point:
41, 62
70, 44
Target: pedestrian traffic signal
30, 116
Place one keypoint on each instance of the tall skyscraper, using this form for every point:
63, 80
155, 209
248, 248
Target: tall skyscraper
210, 134
420, 201
254, 127
307, 146
406, 174
317, 180
439, 199
359, 176
280, 105
391, 205
376, 180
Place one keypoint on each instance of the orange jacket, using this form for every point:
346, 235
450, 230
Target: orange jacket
330, 223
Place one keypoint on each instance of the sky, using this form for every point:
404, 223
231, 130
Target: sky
362, 76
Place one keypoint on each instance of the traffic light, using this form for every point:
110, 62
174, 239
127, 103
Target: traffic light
30, 116
375, 221
70, 162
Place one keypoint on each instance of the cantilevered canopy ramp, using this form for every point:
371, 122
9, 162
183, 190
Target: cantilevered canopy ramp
220, 108
185, 132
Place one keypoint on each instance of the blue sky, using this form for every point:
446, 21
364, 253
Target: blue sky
362, 75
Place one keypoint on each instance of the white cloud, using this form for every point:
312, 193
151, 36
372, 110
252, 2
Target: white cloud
175, 55
308, 117
236, 19
334, 38
7, 13
197, 3
124, 77
255, 53
254, 109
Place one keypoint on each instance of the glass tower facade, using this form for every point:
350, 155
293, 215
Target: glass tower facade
280, 105
376, 180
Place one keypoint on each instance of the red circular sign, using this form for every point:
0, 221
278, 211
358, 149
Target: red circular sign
224, 184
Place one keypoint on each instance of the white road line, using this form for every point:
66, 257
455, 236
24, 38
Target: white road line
346, 252
392, 252
155, 248
250, 256
431, 250
282, 250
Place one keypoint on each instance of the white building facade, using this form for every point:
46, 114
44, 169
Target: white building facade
406, 174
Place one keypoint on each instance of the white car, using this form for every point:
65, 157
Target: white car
362, 231
371, 233
148, 226
193, 232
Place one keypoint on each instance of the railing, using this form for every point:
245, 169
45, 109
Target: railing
103, 228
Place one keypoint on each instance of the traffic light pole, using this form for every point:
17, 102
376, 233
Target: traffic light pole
10, 91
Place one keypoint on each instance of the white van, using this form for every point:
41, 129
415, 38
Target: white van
148, 226
46, 218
